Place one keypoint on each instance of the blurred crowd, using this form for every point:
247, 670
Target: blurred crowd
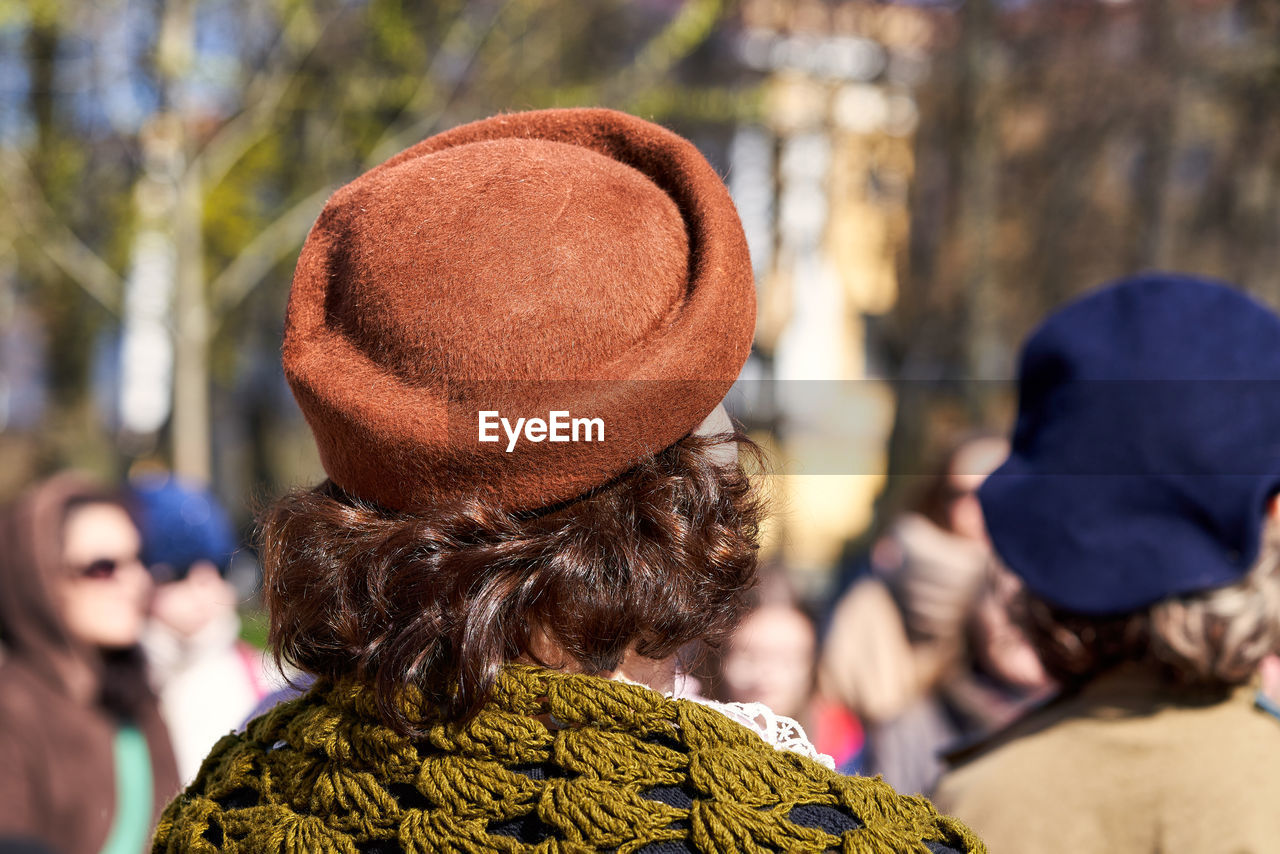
123, 656
123, 650
914, 651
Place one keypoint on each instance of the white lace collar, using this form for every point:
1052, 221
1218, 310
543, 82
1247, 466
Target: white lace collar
779, 731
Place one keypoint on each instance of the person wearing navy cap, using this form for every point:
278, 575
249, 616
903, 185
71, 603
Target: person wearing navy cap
208, 679
1138, 508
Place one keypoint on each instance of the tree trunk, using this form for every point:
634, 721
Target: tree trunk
191, 429
1153, 247
980, 163
175, 218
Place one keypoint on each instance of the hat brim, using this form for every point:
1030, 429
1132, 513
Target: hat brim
1104, 544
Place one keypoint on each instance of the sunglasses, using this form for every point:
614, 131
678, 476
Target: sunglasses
103, 568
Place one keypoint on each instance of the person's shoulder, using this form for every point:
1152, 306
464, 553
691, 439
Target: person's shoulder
940, 848
230, 779
800, 798
24, 698
1245, 730
820, 806
911, 819
1025, 754
1039, 722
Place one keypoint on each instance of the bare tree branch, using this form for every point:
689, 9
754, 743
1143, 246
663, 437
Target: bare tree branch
263, 96
463, 42
687, 29
47, 231
456, 55
459, 49
278, 240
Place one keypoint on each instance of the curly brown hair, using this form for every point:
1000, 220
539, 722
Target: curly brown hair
658, 558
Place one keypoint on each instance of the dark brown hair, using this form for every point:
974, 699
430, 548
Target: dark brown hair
1213, 638
660, 557
1074, 647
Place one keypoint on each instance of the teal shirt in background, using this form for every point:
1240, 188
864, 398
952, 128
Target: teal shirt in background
131, 828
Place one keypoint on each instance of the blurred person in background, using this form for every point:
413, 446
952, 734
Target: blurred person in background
768, 670
494, 623
1006, 677
86, 759
1139, 509
916, 646
207, 678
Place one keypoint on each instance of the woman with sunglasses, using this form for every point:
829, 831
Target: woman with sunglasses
86, 759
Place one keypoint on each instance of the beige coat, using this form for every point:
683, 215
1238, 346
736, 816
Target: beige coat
1128, 766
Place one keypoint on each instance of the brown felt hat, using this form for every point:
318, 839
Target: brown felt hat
575, 261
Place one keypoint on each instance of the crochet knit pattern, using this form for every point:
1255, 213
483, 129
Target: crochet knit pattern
554, 764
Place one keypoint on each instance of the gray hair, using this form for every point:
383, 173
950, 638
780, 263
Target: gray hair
1221, 635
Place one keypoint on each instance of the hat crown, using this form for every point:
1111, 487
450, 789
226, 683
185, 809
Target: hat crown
1146, 445
573, 255
1155, 327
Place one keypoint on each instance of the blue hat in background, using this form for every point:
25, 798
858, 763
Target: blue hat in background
1146, 447
181, 523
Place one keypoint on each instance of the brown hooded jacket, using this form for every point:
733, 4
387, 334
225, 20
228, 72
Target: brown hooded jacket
61, 702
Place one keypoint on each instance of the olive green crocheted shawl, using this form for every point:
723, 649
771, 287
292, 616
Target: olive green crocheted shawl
321, 775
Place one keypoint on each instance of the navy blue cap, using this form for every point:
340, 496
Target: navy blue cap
1146, 447
181, 523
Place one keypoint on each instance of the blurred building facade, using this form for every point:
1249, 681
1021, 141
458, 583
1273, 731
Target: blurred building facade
823, 183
